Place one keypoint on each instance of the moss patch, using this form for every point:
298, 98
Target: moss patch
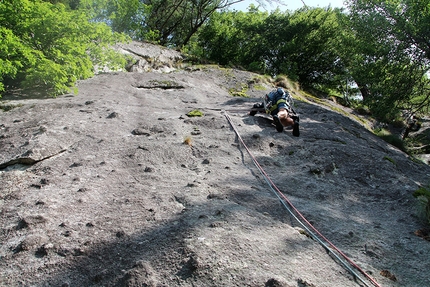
239, 91
390, 160
195, 113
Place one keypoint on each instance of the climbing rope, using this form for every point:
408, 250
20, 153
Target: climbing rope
307, 226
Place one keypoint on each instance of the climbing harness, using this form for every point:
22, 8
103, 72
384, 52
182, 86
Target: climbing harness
287, 99
309, 228
270, 108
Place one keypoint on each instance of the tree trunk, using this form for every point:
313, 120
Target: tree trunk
365, 93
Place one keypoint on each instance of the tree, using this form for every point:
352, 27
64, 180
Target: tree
123, 16
304, 45
233, 37
49, 46
392, 55
169, 22
72, 4
178, 20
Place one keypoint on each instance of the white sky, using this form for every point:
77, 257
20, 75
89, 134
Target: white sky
290, 4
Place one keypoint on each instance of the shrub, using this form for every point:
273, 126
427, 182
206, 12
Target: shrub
423, 195
390, 138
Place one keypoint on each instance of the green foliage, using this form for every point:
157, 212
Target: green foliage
258, 87
72, 4
302, 45
170, 23
423, 195
390, 160
195, 113
233, 37
239, 91
418, 144
390, 138
51, 46
13, 54
124, 16
389, 55
258, 82
307, 48
361, 109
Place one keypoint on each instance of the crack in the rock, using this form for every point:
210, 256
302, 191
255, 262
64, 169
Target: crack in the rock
161, 87
138, 54
27, 160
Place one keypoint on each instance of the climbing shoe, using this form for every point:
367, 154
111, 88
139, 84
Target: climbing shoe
258, 106
255, 108
279, 126
296, 131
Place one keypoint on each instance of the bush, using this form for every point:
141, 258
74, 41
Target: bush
390, 138
48, 46
423, 195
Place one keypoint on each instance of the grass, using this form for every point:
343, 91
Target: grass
284, 82
7, 107
261, 79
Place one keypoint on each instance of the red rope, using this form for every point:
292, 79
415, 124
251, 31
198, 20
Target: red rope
297, 212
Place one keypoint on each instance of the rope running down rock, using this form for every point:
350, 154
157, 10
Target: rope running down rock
310, 229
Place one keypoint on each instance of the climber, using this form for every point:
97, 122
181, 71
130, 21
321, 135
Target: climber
279, 104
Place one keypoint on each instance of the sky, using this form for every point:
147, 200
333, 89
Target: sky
291, 4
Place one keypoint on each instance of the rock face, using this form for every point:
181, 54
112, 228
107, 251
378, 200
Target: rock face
117, 186
150, 58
